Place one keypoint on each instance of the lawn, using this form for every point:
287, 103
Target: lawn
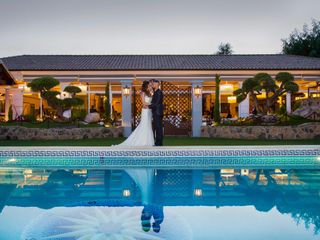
168, 141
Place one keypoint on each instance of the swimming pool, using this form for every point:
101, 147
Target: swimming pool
98, 201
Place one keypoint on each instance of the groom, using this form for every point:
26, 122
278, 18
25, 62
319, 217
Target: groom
157, 111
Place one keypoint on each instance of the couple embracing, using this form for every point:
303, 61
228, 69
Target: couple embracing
149, 132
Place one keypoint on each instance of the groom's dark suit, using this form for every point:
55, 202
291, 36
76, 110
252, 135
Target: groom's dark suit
157, 115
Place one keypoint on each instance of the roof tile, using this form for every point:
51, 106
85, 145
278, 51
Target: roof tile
161, 62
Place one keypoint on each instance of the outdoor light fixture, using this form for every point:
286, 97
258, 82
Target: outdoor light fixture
197, 91
126, 91
198, 192
126, 193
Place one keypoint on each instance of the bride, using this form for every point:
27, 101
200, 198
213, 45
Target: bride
143, 134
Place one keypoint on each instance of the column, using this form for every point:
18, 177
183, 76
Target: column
244, 106
126, 108
88, 102
288, 102
7, 104
196, 109
17, 102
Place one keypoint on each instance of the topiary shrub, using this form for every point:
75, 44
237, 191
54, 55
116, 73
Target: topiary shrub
43, 85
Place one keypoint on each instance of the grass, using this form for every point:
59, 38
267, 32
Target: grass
168, 141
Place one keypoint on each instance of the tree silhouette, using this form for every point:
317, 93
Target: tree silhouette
224, 49
305, 43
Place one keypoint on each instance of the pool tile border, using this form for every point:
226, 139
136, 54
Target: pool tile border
166, 157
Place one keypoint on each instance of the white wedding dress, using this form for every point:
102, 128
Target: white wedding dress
143, 134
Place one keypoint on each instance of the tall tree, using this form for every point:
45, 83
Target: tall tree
305, 43
224, 49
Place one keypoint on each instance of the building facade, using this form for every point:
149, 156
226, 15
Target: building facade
188, 82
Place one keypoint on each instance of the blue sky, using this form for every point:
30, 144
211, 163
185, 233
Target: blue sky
149, 26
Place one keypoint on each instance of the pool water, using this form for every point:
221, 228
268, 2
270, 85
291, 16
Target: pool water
159, 204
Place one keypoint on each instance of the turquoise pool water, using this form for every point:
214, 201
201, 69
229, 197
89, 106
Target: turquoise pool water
158, 203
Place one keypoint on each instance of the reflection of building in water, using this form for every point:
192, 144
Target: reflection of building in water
5, 190
192, 187
289, 191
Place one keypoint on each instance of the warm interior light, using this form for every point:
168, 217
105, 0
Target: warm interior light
232, 99
262, 95
83, 88
24, 87
226, 87
302, 97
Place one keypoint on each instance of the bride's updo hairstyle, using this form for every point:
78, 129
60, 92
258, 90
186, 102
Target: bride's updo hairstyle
144, 88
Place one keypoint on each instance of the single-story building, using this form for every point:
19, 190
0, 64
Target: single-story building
188, 82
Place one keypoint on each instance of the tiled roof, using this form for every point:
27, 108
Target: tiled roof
161, 62
5, 76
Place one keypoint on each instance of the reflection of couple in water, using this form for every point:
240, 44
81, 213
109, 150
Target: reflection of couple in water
149, 211
144, 178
